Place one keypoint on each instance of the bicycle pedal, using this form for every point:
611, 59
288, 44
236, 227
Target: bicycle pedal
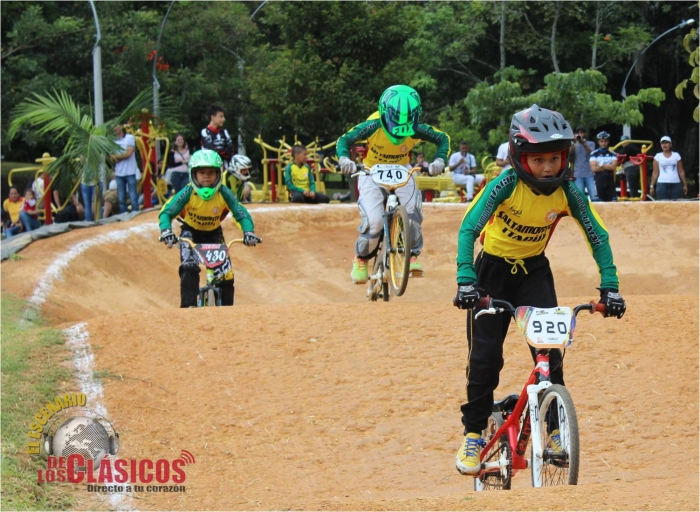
416, 273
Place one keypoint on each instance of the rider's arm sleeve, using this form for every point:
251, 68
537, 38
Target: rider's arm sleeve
359, 132
440, 139
288, 182
475, 219
173, 207
596, 234
312, 180
238, 211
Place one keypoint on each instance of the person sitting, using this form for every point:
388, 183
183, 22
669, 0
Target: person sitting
11, 207
29, 216
299, 179
463, 167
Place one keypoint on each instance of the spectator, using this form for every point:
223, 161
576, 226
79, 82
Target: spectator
73, 211
126, 169
111, 199
420, 162
631, 170
603, 164
299, 179
668, 177
12, 206
238, 176
503, 156
177, 173
29, 216
87, 189
583, 176
463, 167
215, 137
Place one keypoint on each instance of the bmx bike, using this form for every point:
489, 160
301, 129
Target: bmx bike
390, 268
542, 415
215, 258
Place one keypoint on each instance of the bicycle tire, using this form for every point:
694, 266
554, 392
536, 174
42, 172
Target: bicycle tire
400, 255
372, 285
558, 467
211, 298
493, 481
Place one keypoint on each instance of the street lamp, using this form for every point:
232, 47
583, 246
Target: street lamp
97, 69
626, 128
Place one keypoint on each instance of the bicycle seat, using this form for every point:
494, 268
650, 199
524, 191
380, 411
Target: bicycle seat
507, 404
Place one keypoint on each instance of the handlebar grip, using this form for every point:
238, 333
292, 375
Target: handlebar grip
484, 302
598, 307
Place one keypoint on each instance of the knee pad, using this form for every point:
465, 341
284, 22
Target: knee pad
364, 221
366, 246
415, 220
227, 292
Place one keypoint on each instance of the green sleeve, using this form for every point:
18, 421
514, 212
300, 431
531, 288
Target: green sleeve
476, 218
312, 180
360, 132
238, 211
288, 180
173, 207
596, 234
440, 139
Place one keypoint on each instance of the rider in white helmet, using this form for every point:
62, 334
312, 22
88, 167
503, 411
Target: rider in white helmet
238, 174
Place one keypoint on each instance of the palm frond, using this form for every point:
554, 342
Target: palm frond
56, 113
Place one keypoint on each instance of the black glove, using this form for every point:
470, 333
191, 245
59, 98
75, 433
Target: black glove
168, 237
467, 296
614, 303
250, 239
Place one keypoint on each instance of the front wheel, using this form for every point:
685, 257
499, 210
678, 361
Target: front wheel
500, 452
560, 440
211, 298
400, 255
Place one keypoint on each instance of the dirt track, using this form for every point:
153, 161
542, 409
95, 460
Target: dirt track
305, 396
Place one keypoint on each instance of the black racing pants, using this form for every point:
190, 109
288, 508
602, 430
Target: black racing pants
605, 185
299, 197
189, 267
485, 336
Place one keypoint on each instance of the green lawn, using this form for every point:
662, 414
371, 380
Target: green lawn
35, 367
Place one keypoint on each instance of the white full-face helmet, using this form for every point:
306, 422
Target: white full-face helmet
240, 166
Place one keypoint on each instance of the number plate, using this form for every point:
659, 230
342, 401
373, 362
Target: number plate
545, 327
212, 255
389, 175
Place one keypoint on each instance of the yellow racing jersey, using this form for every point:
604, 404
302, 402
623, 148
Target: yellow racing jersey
299, 178
204, 215
515, 223
380, 150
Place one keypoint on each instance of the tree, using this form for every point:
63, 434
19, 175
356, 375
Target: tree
693, 60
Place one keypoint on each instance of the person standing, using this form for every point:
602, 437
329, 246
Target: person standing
668, 177
603, 163
503, 156
216, 137
630, 169
126, 169
180, 156
583, 176
463, 167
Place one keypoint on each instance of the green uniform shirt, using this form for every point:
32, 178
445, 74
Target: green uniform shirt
515, 223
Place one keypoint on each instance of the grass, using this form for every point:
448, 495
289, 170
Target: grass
34, 370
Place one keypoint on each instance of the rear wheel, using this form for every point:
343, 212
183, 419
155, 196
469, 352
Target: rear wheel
560, 460
377, 287
500, 452
400, 255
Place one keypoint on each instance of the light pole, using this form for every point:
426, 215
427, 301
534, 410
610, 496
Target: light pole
626, 130
156, 85
97, 69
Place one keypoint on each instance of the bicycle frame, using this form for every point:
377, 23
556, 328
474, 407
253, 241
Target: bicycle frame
518, 426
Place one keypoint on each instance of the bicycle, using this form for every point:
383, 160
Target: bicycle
553, 436
215, 258
393, 256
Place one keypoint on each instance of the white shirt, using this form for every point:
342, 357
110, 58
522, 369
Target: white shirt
126, 167
469, 163
504, 153
668, 167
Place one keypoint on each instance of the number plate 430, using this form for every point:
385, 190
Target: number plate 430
545, 327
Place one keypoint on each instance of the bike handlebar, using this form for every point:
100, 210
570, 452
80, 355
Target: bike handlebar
234, 241
502, 306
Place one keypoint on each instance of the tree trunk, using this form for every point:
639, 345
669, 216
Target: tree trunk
502, 39
553, 38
